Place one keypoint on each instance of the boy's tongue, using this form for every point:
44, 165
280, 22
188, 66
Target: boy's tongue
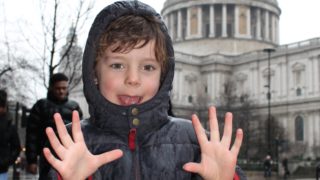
129, 100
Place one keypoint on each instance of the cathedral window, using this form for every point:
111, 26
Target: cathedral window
299, 128
194, 20
299, 91
230, 20
298, 71
190, 99
218, 20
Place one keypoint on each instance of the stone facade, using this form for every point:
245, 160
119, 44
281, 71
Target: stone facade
218, 40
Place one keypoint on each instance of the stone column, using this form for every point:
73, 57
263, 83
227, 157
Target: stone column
258, 23
316, 128
248, 22
309, 76
179, 28
179, 85
224, 20
208, 78
251, 83
217, 84
236, 19
199, 21
212, 33
188, 23
266, 28
213, 85
273, 17
316, 67
310, 128
277, 30
283, 80
278, 81
172, 28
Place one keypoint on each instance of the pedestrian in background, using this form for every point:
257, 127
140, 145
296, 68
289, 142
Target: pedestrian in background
10, 146
285, 168
318, 172
41, 117
267, 166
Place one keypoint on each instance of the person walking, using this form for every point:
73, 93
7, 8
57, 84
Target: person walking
41, 117
285, 168
10, 146
267, 166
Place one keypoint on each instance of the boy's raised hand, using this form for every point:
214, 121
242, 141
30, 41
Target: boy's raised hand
74, 162
218, 160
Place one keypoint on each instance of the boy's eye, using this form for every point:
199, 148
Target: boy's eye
117, 66
149, 68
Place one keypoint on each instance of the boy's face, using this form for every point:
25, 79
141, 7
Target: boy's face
129, 78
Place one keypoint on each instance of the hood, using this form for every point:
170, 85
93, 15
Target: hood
107, 115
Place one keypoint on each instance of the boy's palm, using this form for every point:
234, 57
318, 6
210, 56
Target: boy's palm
75, 160
218, 161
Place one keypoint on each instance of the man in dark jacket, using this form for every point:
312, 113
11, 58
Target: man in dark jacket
128, 68
41, 117
9, 140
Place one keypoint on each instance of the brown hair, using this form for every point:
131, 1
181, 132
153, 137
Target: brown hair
126, 32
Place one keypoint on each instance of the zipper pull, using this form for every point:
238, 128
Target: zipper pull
132, 139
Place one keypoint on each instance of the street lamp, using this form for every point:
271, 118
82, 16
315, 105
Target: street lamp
269, 51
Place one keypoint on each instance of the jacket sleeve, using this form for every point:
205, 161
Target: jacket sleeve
15, 145
33, 134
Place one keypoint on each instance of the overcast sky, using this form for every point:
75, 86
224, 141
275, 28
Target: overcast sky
298, 20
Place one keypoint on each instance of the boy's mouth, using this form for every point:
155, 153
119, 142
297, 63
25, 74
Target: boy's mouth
129, 100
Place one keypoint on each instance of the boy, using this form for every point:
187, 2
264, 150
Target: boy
128, 69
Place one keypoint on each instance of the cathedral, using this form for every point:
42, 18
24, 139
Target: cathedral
216, 41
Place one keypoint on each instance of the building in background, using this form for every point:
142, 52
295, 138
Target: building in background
216, 41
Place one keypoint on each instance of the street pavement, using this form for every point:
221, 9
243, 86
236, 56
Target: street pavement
250, 176
23, 175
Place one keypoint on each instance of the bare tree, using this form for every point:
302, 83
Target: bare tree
14, 69
56, 18
246, 116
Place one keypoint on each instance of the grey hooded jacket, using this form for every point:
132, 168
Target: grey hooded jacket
155, 148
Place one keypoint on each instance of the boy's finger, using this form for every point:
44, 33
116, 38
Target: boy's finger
76, 127
237, 143
227, 132
192, 167
200, 132
62, 131
55, 143
51, 159
214, 127
108, 157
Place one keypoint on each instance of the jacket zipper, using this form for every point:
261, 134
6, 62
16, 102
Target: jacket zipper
133, 147
132, 139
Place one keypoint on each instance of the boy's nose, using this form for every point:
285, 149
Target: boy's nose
133, 77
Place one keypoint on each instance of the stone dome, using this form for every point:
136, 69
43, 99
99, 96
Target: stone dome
229, 27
